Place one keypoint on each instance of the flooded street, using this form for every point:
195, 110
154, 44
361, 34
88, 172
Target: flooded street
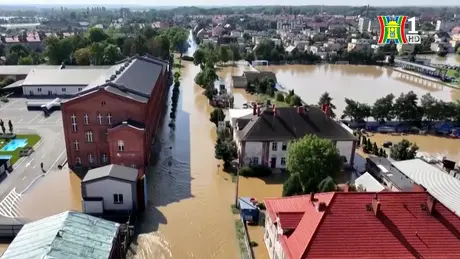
189, 200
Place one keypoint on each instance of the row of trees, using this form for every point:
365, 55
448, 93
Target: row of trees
406, 107
174, 100
99, 47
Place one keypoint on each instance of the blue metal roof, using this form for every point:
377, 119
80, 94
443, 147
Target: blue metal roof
70, 235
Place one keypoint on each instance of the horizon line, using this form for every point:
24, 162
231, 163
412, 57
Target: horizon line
219, 6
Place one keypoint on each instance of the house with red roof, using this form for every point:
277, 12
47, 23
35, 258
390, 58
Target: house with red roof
346, 225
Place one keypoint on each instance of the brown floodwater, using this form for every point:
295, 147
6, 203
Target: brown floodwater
189, 196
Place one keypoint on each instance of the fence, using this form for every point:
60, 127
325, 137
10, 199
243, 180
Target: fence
249, 253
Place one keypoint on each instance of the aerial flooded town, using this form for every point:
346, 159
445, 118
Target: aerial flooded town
254, 132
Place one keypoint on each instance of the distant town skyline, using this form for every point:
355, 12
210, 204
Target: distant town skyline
231, 3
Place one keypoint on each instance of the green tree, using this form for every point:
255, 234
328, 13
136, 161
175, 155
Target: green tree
403, 150
58, 51
383, 108
97, 35
83, 56
224, 54
406, 107
292, 186
430, 106
327, 185
314, 159
280, 97
111, 54
199, 57
295, 101
326, 99
217, 115
375, 149
97, 53
28, 60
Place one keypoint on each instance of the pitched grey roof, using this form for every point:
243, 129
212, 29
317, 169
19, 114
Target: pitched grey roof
133, 78
66, 235
392, 174
22, 69
113, 171
288, 124
61, 77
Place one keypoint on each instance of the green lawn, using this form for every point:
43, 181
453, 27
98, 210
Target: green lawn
264, 97
31, 141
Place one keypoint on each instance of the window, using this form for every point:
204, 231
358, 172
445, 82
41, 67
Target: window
255, 160
86, 118
284, 146
76, 145
105, 159
78, 161
109, 118
79, 89
89, 136
99, 118
133, 166
274, 146
63, 90
73, 120
90, 158
39, 90
283, 161
121, 145
118, 198
102, 103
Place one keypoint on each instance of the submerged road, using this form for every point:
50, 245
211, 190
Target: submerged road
49, 151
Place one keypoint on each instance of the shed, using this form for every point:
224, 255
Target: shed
111, 188
67, 235
368, 183
248, 210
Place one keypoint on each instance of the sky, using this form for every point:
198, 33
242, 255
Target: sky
235, 2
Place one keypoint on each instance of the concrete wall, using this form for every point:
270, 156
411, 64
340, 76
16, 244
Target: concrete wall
106, 188
93, 207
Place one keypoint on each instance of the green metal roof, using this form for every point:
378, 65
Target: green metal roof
70, 235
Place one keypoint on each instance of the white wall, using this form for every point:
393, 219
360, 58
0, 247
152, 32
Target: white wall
345, 148
55, 90
253, 149
106, 188
271, 239
279, 153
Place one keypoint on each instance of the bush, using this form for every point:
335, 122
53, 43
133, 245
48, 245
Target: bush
172, 115
255, 171
280, 97
176, 83
188, 58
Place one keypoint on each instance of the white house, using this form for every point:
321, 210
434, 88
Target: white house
262, 137
110, 188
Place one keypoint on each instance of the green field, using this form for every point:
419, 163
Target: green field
31, 141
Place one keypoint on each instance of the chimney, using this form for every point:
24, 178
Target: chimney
321, 206
323, 107
376, 205
312, 196
328, 110
254, 109
430, 203
299, 110
258, 111
346, 188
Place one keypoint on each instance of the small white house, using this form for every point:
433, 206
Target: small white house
110, 188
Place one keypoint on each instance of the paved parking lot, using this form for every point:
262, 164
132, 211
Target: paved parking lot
50, 150
16, 111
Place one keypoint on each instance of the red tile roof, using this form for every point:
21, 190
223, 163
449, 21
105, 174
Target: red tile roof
348, 228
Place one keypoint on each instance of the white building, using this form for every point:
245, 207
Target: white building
262, 137
110, 188
59, 82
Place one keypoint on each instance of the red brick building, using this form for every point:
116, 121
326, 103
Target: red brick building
350, 225
114, 119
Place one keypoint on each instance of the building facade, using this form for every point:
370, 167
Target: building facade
114, 120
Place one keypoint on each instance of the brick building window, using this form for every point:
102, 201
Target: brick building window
39, 90
118, 198
121, 145
73, 120
89, 136
99, 118
274, 146
105, 159
76, 145
90, 158
86, 119
78, 161
109, 118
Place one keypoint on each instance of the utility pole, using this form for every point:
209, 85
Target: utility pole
237, 184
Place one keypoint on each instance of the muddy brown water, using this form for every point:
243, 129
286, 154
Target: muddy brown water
189, 197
